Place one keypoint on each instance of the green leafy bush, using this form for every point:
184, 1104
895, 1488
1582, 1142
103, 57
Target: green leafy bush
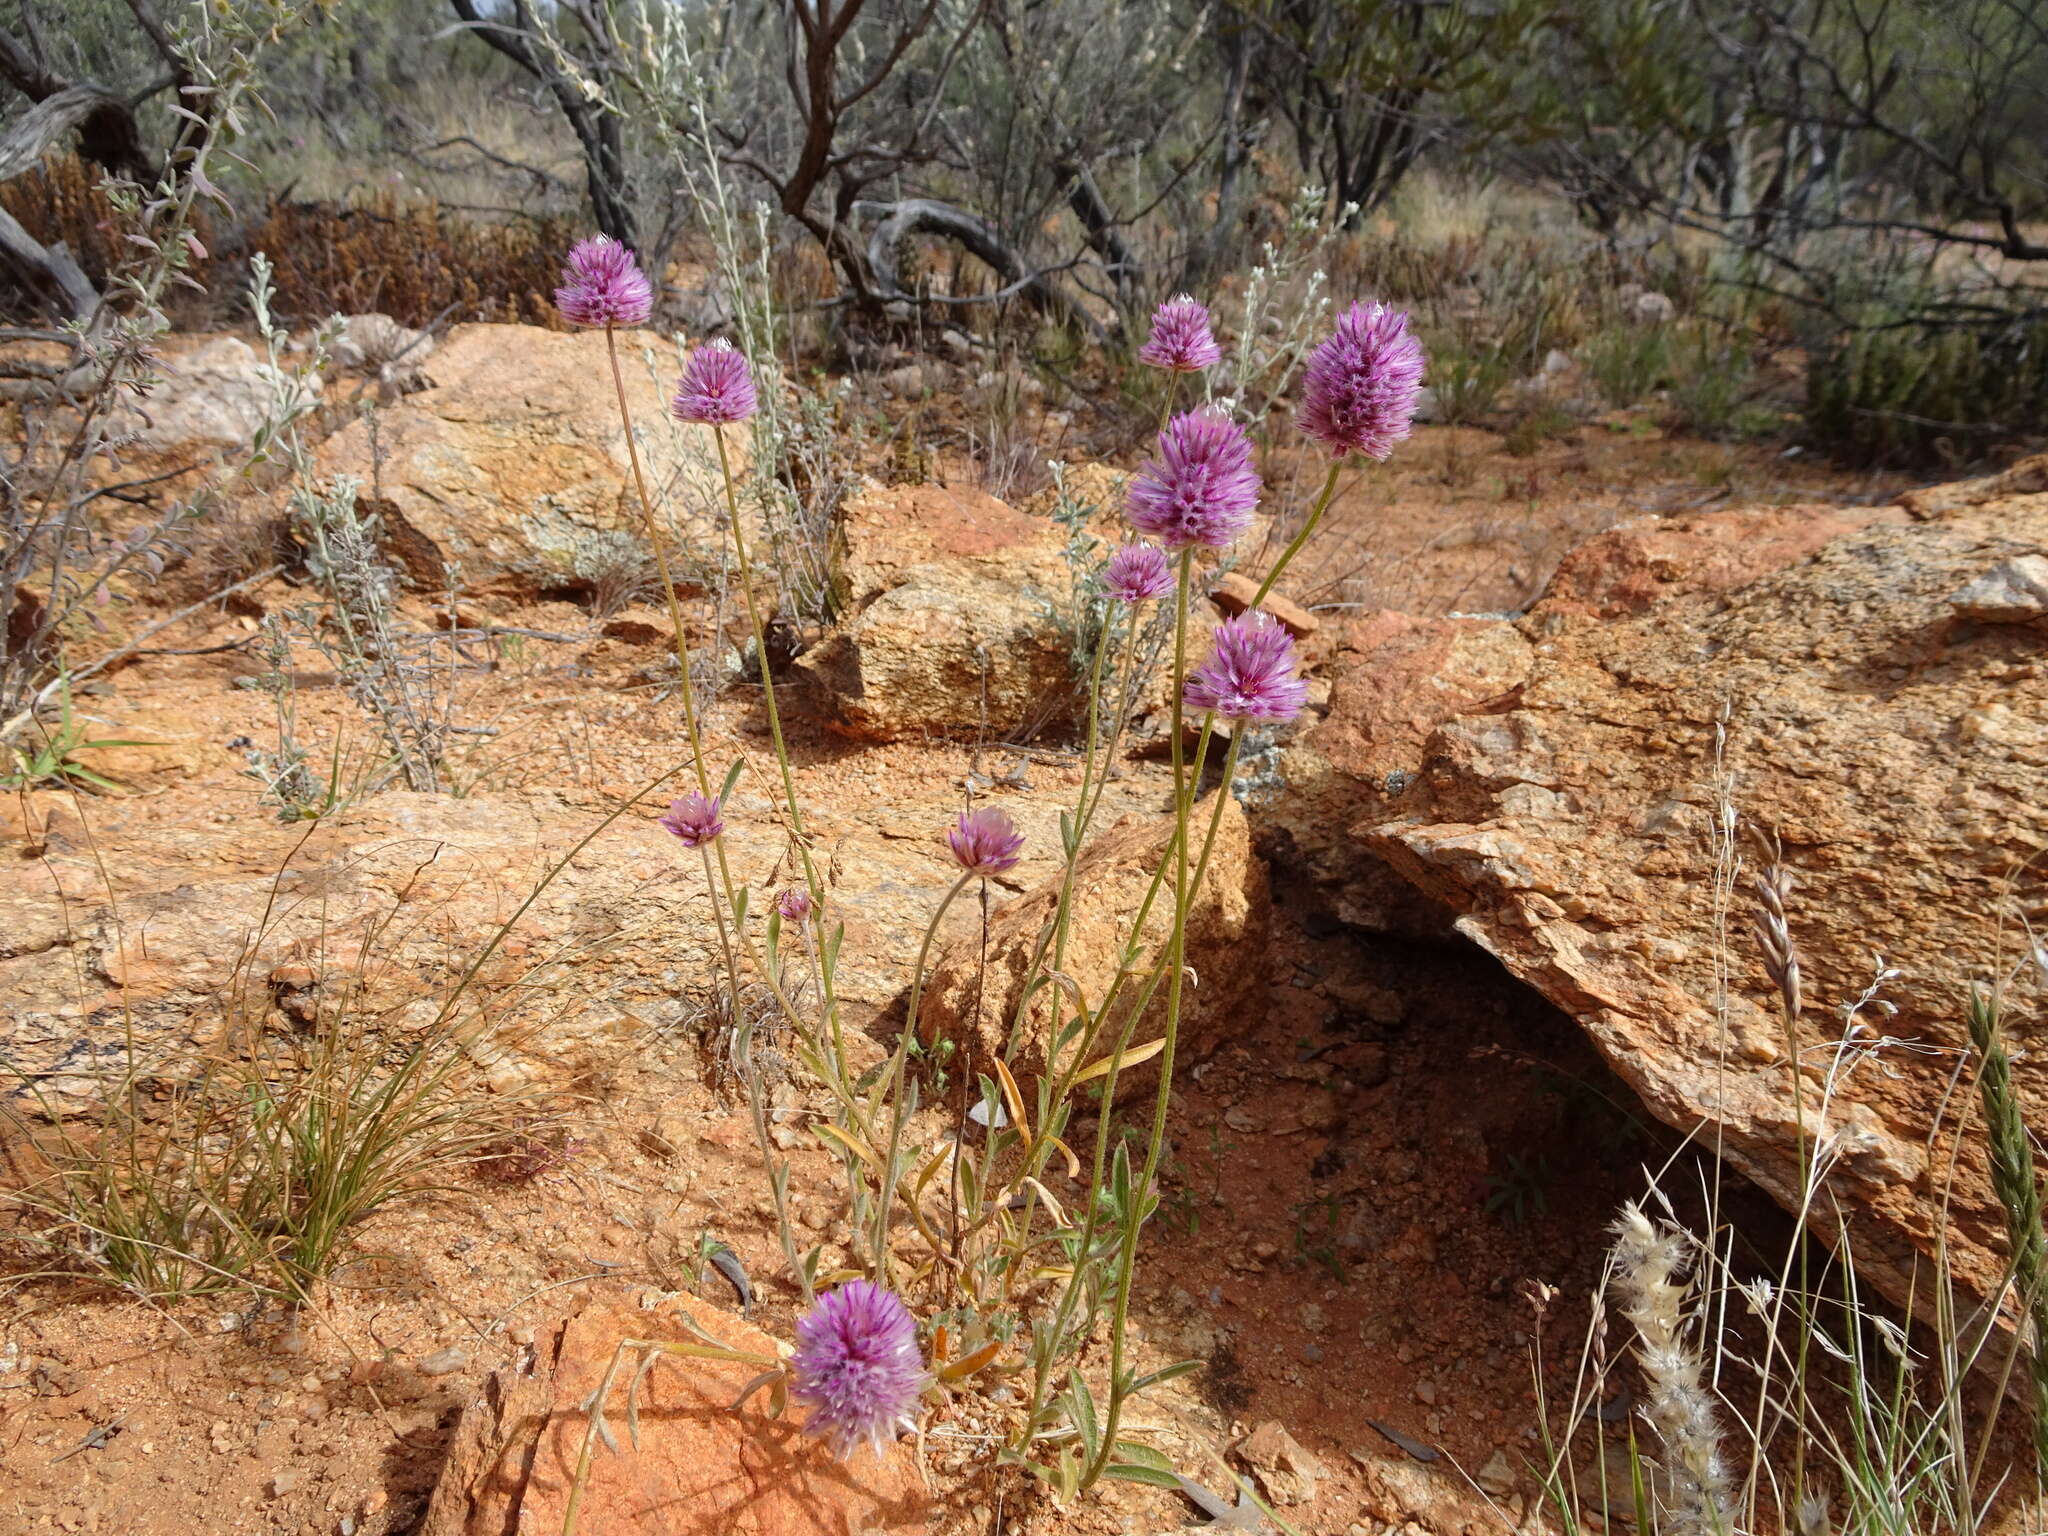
1627, 361
1909, 395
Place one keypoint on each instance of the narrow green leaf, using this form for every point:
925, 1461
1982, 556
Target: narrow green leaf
1128, 1472
1165, 1373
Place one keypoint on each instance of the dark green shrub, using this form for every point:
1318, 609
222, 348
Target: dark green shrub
1627, 361
1714, 387
1912, 395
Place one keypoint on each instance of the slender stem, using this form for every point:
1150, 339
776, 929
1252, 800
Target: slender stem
968, 1075
885, 1089
668, 586
1315, 516
1127, 1257
743, 1048
1063, 908
739, 544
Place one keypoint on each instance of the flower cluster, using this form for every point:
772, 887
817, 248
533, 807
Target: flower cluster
1250, 675
717, 387
985, 842
1201, 489
857, 1367
603, 285
1180, 340
694, 819
1358, 391
1137, 572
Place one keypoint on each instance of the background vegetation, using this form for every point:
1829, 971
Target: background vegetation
1843, 199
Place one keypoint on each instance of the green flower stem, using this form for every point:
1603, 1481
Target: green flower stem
1062, 909
660, 550
1175, 856
743, 1040
1315, 516
1090, 1226
885, 1088
828, 998
739, 544
1134, 1220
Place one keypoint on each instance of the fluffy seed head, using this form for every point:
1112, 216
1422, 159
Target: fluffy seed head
1358, 391
603, 285
857, 1367
985, 841
694, 819
794, 904
1180, 340
1250, 673
717, 386
1136, 572
1201, 489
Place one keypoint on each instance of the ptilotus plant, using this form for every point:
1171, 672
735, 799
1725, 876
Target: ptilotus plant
978, 1223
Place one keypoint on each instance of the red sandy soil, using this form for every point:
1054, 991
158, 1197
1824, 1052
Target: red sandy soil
1358, 1186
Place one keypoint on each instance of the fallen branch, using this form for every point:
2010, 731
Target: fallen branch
909, 216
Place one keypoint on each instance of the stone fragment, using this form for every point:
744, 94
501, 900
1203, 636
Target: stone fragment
2012, 592
700, 1466
1287, 1473
1233, 593
949, 626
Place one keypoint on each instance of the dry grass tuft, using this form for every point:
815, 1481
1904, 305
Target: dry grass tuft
413, 261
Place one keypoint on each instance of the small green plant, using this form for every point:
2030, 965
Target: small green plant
1468, 380
49, 759
1317, 1223
1536, 425
1520, 1193
1714, 387
1627, 361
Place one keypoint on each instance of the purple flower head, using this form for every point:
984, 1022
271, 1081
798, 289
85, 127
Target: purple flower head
1250, 673
1358, 391
717, 386
857, 1367
794, 904
1202, 488
694, 819
1136, 572
986, 842
603, 285
1180, 340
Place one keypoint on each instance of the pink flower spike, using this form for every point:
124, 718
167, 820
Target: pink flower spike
717, 387
985, 842
1358, 391
1137, 572
1180, 340
1250, 673
858, 1368
694, 819
603, 285
1201, 489
794, 904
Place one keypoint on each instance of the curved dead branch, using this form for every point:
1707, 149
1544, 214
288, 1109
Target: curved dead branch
896, 221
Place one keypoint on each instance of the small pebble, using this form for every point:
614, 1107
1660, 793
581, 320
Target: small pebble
444, 1362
